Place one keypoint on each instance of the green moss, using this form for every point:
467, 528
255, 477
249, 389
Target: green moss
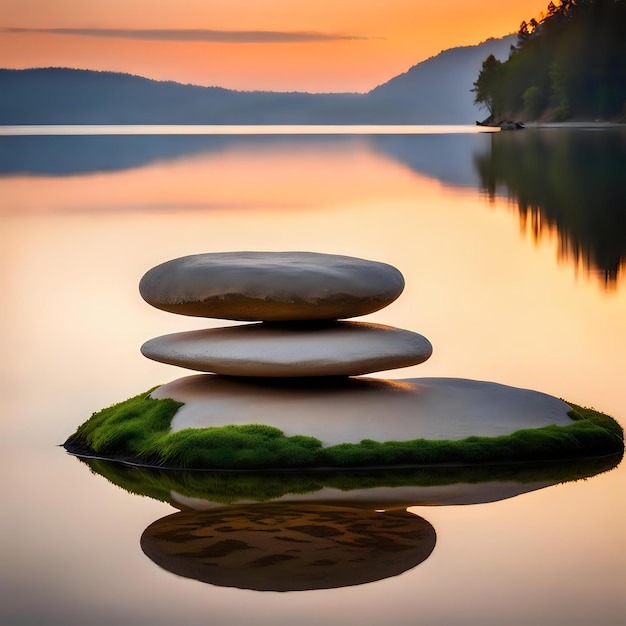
137, 431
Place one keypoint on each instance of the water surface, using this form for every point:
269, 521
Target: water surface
512, 248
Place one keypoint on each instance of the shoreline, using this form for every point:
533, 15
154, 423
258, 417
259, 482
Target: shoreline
575, 124
113, 129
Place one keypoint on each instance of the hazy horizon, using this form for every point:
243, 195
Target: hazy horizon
268, 45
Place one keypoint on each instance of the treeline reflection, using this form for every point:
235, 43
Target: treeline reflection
566, 180
563, 181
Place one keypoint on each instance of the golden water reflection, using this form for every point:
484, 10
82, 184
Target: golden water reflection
566, 184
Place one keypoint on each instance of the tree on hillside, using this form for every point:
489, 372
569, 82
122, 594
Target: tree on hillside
487, 91
570, 61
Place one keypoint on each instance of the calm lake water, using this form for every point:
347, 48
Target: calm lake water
513, 248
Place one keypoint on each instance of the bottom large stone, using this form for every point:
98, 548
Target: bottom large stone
215, 422
347, 411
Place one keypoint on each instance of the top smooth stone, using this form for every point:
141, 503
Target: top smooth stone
271, 286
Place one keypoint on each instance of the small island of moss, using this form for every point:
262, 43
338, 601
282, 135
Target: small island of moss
138, 431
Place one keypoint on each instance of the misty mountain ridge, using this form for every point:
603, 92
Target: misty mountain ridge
435, 91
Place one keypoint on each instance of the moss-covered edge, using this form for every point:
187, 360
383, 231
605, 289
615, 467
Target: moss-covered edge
137, 430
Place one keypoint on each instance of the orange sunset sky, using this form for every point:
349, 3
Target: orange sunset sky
277, 45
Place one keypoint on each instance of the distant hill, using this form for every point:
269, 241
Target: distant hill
68, 96
435, 91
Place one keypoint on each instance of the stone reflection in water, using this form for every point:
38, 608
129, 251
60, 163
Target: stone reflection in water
397, 488
570, 180
288, 531
287, 547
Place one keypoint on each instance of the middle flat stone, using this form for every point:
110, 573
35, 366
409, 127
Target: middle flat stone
291, 350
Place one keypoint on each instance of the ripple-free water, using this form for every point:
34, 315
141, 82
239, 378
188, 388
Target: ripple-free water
514, 271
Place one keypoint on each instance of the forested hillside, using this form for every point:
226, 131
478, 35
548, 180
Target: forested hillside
435, 91
568, 63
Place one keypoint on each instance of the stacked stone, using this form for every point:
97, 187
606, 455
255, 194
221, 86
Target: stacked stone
296, 300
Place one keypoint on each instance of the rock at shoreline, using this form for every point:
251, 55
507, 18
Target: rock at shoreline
291, 350
271, 286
